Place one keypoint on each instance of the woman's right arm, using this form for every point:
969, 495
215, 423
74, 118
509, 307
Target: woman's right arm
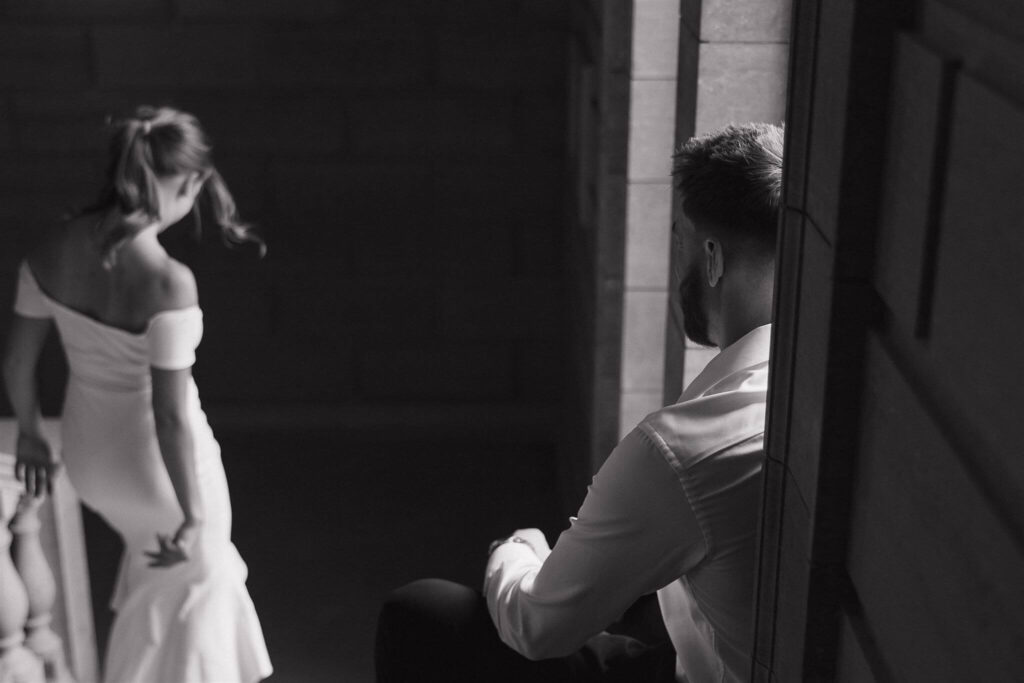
36, 465
172, 341
174, 435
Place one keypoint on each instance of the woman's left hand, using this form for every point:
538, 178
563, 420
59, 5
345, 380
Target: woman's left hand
174, 550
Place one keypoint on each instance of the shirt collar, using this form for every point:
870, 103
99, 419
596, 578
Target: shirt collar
750, 349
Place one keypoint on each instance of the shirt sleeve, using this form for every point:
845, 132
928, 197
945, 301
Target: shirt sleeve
634, 534
172, 338
28, 299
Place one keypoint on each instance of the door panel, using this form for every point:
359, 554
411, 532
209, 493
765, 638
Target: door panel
921, 84
978, 305
935, 569
897, 400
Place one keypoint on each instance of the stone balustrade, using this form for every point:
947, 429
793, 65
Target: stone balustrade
17, 663
46, 629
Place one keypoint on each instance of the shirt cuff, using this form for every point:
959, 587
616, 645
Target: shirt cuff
507, 566
511, 554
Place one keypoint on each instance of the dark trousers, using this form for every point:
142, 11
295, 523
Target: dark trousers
435, 630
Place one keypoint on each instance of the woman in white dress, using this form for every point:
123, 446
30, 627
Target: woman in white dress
136, 443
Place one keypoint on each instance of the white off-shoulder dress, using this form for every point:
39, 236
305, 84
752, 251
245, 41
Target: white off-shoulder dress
193, 622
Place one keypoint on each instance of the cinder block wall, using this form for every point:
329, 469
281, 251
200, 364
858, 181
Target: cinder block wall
405, 160
646, 296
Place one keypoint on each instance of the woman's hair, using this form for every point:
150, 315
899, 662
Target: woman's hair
158, 142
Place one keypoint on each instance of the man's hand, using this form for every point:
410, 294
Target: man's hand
35, 464
536, 540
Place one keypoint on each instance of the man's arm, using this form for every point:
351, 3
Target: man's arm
634, 533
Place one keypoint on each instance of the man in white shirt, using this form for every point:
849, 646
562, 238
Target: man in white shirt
673, 510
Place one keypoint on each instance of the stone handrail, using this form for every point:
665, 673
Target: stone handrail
46, 627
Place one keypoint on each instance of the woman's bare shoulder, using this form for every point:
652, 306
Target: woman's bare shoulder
175, 286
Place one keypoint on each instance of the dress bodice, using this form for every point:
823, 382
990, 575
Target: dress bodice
107, 357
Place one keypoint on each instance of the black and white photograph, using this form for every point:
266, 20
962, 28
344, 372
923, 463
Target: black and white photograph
511, 341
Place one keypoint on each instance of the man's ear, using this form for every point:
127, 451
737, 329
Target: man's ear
714, 261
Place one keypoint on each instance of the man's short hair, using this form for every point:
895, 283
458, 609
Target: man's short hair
730, 181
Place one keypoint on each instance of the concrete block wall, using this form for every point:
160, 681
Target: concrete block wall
652, 111
405, 161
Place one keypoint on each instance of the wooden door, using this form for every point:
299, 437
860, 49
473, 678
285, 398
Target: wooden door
893, 526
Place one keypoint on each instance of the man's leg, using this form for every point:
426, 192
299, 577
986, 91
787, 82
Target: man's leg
434, 630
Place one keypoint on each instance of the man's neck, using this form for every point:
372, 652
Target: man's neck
738, 330
744, 309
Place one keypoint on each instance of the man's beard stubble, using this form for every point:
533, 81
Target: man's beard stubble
695, 318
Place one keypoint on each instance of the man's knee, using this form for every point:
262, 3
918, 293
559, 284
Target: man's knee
423, 628
432, 602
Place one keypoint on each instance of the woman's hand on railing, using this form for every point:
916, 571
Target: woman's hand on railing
36, 465
177, 549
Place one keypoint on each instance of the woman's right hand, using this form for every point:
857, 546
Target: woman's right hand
172, 551
36, 465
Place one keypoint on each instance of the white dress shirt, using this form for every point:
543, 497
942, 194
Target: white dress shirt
674, 509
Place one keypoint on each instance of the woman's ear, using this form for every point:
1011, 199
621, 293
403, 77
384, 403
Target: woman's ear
714, 261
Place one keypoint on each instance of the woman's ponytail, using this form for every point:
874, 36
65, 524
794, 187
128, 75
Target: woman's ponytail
233, 230
131, 188
159, 143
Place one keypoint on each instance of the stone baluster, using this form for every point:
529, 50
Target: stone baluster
17, 663
41, 589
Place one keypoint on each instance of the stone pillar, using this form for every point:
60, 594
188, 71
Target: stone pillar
41, 590
652, 109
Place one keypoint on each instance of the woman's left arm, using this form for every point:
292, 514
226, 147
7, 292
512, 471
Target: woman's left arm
36, 464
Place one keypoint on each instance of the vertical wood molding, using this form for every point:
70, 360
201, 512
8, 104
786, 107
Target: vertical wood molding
836, 128
802, 62
612, 174
926, 290
600, 63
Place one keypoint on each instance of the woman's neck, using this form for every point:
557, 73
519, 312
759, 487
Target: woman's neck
144, 247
